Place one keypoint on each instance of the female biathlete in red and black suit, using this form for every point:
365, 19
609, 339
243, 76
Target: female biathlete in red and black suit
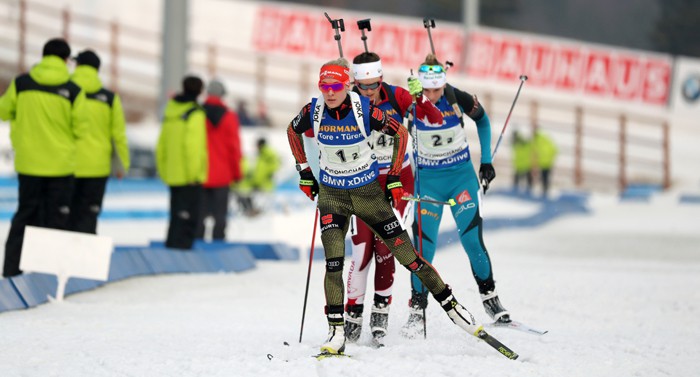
395, 102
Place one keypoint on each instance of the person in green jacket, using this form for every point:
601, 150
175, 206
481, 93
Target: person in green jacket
268, 162
181, 161
45, 110
544, 154
104, 143
522, 162
260, 179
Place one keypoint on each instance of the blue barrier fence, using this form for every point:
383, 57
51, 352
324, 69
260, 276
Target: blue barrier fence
32, 289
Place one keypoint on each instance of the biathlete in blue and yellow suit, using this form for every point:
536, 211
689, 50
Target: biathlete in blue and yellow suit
445, 171
342, 123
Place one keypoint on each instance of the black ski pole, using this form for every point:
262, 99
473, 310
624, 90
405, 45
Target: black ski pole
364, 25
308, 276
337, 25
429, 23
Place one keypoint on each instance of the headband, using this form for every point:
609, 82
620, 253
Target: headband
432, 80
334, 72
369, 70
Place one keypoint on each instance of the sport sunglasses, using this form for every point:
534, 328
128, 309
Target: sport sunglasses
431, 68
336, 86
373, 85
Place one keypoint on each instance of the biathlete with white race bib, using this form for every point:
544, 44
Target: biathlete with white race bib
445, 172
342, 123
395, 102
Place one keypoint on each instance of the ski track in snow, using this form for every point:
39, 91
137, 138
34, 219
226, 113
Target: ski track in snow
616, 289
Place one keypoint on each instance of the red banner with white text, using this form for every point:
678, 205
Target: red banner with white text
400, 44
595, 71
571, 67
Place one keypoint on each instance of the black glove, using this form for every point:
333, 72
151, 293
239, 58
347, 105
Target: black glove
486, 175
394, 189
308, 183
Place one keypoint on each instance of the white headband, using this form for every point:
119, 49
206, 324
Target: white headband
367, 70
432, 80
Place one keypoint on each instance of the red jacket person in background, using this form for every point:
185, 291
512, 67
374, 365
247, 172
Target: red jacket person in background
224, 148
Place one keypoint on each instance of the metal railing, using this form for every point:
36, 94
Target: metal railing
598, 148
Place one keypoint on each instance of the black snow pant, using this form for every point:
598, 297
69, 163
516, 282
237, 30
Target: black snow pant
215, 204
44, 202
184, 215
87, 204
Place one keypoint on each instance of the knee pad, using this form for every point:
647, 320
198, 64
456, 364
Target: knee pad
416, 265
334, 264
388, 229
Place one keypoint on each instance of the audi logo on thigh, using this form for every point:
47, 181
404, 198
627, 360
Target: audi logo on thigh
391, 226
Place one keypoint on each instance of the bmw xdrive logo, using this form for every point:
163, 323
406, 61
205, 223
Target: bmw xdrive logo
691, 88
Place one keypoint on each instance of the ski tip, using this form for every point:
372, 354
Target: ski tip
497, 345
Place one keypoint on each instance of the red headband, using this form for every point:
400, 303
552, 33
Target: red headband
334, 72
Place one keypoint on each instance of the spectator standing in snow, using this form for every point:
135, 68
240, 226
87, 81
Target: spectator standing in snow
544, 154
181, 159
46, 115
103, 143
224, 154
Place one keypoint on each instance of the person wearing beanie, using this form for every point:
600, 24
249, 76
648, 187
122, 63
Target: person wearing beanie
445, 172
395, 102
46, 113
181, 161
102, 150
224, 154
341, 122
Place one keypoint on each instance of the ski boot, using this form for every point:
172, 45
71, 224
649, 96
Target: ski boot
335, 344
414, 326
458, 313
493, 307
379, 320
353, 322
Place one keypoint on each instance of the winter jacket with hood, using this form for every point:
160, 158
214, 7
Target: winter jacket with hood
181, 153
46, 114
106, 133
224, 144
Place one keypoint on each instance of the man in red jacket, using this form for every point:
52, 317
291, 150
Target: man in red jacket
224, 145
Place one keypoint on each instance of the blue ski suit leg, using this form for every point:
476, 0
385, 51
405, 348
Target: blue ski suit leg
461, 184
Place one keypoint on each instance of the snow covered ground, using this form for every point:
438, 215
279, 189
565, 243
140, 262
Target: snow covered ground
617, 288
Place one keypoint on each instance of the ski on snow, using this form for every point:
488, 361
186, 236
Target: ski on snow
482, 334
327, 355
515, 325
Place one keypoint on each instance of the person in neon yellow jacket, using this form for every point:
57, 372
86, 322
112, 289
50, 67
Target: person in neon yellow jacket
260, 179
544, 155
105, 140
268, 162
522, 161
182, 162
45, 110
